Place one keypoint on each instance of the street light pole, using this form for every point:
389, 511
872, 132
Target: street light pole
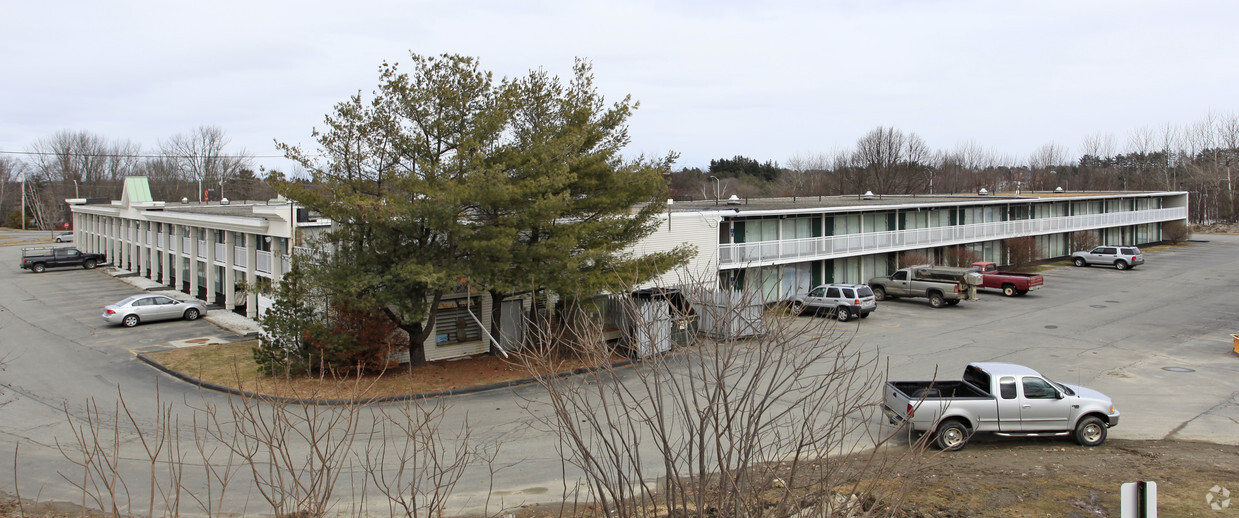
716, 184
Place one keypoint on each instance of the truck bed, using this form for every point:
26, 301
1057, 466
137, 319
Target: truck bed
914, 390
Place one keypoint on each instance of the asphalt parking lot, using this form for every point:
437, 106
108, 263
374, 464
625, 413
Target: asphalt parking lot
1156, 339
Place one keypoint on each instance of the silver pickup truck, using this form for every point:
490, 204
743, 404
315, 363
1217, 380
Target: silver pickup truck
940, 284
1003, 398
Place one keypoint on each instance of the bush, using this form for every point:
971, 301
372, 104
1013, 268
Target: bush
1022, 251
907, 259
959, 256
1082, 240
1175, 232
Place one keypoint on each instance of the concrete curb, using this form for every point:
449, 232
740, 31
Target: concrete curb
363, 401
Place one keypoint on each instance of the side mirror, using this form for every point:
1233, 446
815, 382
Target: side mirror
1059, 394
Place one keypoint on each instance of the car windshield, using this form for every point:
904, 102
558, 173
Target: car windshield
1061, 387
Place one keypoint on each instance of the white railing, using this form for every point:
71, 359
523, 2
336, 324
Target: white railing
238, 256
219, 254
764, 253
262, 262
202, 250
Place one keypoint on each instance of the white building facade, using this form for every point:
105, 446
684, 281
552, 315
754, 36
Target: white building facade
212, 251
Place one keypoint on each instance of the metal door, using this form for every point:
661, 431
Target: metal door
1042, 407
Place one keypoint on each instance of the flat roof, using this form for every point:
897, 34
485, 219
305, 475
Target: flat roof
862, 201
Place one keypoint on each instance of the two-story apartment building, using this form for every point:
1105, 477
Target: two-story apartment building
777, 246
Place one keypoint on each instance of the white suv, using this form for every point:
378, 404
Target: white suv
1122, 257
841, 301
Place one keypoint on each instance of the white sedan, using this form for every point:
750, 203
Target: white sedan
151, 307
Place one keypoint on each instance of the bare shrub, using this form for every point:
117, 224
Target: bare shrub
1022, 251
1083, 240
959, 256
296, 454
730, 424
914, 258
1175, 231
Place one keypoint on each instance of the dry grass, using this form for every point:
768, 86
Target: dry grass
232, 365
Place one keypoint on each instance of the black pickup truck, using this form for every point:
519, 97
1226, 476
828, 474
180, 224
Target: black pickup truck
39, 258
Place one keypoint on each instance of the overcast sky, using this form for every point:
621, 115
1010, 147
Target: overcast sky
715, 79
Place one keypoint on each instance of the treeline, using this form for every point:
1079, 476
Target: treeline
84, 165
1199, 158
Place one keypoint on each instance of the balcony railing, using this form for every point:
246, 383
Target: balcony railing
765, 253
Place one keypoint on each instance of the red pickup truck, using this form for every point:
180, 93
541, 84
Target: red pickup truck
1011, 283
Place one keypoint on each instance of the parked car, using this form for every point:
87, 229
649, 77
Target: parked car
1003, 398
1121, 257
942, 285
39, 258
64, 237
1011, 283
841, 301
151, 307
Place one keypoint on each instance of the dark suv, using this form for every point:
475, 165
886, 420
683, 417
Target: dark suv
1122, 257
841, 301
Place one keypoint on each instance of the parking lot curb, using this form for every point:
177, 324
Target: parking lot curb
360, 401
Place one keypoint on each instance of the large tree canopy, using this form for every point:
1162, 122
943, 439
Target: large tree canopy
445, 177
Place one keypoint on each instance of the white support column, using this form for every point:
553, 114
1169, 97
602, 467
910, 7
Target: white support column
174, 257
193, 262
230, 272
144, 249
251, 275
210, 265
165, 257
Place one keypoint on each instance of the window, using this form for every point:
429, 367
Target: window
454, 325
1006, 387
832, 293
848, 293
1037, 388
865, 291
900, 276
817, 292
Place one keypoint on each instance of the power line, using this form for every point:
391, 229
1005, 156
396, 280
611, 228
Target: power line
127, 155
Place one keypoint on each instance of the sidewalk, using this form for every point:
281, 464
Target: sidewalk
228, 320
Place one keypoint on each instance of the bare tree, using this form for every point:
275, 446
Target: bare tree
744, 423
891, 161
201, 157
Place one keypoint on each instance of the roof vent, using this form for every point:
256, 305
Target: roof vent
1058, 189
733, 200
982, 192
868, 195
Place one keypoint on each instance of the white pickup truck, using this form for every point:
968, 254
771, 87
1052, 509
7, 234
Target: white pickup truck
1003, 398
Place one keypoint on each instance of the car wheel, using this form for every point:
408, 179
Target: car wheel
38, 268
1090, 431
1008, 290
952, 302
1022, 292
952, 435
936, 300
129, 321
843, 314
864, 315
191, 314
1120, 265
89, 264
1079, 261
879, 293
797, 308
